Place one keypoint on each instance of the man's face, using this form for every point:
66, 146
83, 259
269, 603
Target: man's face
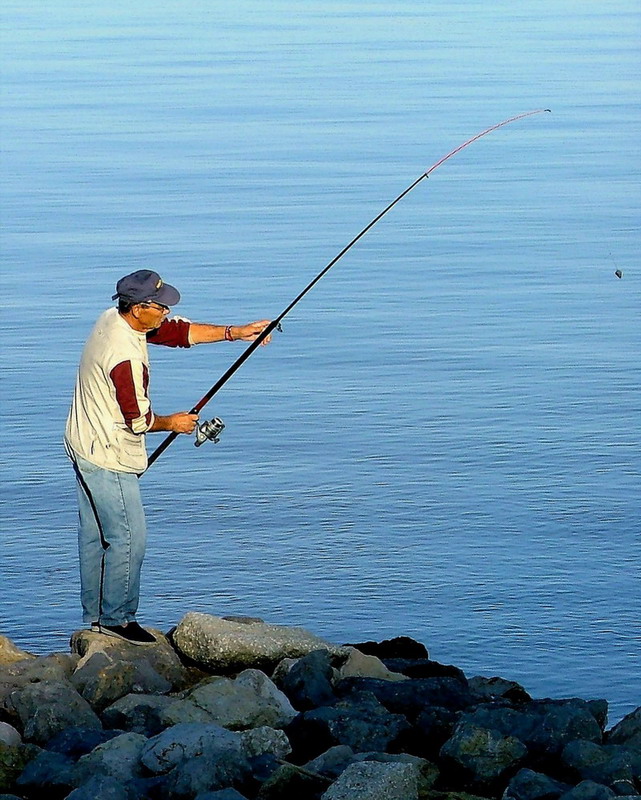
150, 315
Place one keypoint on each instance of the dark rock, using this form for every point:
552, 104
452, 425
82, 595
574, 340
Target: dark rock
360, 722
603, 764
46, 708
332, 762
308, 683
76, 742
13, 759
399, 647
118, 758
433, 727
48, 773
628, 731
589, 790
544, 726
210, 770
166, 750
100, 787
413, 696
424, 668
289, 782
487, 689
481, 758
530, 785
221, 794
138, 713
599, 710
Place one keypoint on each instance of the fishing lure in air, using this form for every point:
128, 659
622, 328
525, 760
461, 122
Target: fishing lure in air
210, 430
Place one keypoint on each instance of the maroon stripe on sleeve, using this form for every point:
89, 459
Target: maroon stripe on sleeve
123, 381
172, 333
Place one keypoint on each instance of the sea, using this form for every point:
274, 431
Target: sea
445, 440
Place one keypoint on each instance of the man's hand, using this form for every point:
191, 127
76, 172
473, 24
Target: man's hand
247, 333
180, 422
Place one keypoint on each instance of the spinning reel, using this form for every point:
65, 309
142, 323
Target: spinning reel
209, 430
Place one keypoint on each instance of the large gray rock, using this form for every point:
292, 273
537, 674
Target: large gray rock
479, 757
530, 785
117, 758
371, 780
332, 762
151, 661
180, 742
218, 644
48, 707
427, 773
208, 771
249, 701
627, 731
138, 713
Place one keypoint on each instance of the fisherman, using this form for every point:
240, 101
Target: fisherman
105, 439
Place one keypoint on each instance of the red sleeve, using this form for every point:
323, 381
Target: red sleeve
132, 400
172, 333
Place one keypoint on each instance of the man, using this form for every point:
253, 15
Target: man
105, 439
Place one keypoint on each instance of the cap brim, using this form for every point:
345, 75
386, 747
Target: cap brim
168, 295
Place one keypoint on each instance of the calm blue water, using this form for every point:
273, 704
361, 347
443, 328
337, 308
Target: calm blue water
445, 441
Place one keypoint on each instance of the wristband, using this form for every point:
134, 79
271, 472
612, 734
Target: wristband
228, 336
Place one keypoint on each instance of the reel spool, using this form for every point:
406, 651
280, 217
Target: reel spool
209, 430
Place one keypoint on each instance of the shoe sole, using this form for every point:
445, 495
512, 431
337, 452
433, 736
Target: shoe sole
115, 635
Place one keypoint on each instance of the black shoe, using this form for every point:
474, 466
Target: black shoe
132, 633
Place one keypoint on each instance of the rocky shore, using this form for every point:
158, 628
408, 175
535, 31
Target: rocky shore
233, 708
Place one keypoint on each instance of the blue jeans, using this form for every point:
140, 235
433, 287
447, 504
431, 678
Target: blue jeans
111, 542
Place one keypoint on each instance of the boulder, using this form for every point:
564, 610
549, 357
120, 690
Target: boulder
332, 762
361, 723
589, 790
48, 774
48, 707
494, 688
360, 665
207, 771
289, 782
13, 759
220, 794
9, 735
307, 681
11, 653
180, 742
530, 785
76, 742
151, 661
427, 773
432, 728
411, 697
117, 758
606, 765
249, 701
138, 713
258, 741
100, 787
628, 731
399, 647
371, 780
221, 645
481, 758
424, 668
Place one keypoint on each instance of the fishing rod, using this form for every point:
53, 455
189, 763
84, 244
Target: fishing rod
210, 430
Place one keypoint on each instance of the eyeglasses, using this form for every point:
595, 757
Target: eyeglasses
156, 306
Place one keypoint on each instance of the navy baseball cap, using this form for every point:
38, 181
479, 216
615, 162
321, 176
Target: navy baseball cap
146, 286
